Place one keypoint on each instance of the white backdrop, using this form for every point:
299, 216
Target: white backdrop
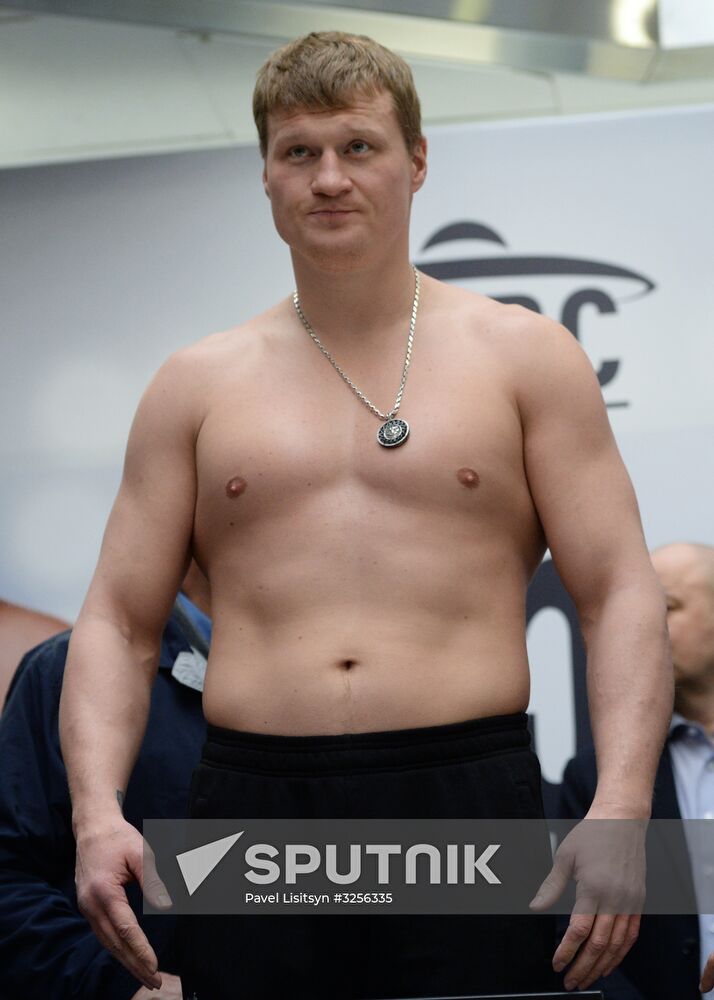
107, 267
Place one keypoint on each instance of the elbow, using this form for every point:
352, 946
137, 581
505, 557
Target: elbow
637, 604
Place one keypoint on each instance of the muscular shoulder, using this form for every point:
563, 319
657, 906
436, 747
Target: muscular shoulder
539, 356
527, 340
182, 384
207, 357
537, 361
551, 370
189, 366
515, 330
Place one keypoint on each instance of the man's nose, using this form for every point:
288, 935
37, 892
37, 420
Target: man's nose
331, 177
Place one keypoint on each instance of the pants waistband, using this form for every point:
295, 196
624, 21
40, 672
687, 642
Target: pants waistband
357, 751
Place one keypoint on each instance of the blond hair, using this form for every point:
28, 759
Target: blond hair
327, 70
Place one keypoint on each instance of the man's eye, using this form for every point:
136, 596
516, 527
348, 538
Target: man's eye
359, 146
298, 152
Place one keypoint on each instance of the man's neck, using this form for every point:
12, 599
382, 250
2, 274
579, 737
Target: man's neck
696, 706
356, 305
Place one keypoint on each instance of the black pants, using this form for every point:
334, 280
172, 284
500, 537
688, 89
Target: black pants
478, 769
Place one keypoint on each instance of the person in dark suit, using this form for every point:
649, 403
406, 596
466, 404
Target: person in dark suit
672, 951
48, 951
21, 629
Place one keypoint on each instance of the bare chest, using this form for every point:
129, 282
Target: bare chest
284, 433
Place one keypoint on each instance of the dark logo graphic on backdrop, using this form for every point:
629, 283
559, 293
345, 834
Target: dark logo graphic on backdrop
599, 284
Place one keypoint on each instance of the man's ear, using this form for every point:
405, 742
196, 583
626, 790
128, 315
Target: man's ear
265, 179
418, 163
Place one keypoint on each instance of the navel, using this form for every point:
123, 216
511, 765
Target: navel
235, 486
348, 664
468, 477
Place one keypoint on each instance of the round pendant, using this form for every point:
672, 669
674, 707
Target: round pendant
392, 433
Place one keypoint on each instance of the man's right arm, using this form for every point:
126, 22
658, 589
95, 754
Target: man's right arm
113, 654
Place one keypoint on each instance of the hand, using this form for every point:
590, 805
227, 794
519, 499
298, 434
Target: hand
707, 982
170, 989
606, 857
109, 856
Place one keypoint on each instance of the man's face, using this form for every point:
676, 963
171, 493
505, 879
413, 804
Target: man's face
341, 183
690, 614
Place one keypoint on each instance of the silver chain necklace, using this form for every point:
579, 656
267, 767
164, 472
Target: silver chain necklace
394, 431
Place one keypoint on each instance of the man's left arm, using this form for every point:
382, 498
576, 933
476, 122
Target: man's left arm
589, 513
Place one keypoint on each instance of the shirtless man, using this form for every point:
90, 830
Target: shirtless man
361, 589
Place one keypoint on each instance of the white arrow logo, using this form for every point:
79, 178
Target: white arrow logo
197, 864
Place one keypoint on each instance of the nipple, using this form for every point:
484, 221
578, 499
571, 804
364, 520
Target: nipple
468, 477
235, 486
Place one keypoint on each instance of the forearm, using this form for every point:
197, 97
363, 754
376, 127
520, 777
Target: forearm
103, 713
630, 693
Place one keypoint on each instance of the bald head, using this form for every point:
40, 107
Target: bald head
686, 571
686, 559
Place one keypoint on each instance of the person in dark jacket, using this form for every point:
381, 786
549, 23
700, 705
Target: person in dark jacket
671, 953
47, 949
664, 962
21, 629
